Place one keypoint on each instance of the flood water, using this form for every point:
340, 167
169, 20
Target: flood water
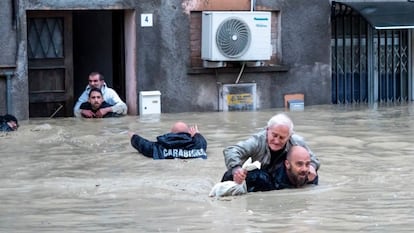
82, 175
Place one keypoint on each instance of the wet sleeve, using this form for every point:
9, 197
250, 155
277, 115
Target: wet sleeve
143, 145
235, 155
84, 105
83, 98
118, 106
314, 160
200, 141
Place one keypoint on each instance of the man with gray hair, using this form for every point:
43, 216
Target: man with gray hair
270, 147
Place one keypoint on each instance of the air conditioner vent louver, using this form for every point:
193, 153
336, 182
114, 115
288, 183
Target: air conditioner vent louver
233, 37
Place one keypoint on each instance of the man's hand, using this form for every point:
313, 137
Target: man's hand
87, 113
239, 175
312, 173
130, 134
193, 130
102, 112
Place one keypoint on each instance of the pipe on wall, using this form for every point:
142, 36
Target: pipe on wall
8, 93
8, 73
14, 15
252, 5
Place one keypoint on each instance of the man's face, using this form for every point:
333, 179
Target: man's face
95, 99
297, 166
95, 82
277, 136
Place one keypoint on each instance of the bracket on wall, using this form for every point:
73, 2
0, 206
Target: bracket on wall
261, 69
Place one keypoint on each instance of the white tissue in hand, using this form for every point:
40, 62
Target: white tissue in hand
249, 166
231, 188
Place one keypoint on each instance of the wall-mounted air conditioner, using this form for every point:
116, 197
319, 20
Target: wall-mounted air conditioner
236, 36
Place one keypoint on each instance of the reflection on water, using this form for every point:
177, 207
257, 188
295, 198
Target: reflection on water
77, 175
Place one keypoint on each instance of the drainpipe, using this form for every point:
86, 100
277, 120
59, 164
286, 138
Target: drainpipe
9, 74
14, 14
252, 5
9, 70
8, 95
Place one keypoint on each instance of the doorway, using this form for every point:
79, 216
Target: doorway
98, 45
63, 48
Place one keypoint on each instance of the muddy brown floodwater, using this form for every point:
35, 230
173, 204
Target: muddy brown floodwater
80, 175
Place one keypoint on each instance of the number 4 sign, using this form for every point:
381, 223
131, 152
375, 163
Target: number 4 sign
146, 20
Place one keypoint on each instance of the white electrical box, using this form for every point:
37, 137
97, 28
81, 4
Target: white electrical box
149, 102
296, 105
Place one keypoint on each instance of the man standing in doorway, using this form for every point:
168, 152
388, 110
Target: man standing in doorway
96, 80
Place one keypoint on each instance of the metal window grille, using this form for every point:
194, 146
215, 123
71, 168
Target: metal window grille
367, 64
45, 38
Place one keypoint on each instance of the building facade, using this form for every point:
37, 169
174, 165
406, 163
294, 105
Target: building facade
49, 47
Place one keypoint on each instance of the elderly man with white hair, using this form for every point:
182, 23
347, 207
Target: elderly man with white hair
270, 147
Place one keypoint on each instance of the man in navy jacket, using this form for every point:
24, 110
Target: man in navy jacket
182, 142
291, 173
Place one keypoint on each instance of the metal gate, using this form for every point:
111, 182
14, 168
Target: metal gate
367, 64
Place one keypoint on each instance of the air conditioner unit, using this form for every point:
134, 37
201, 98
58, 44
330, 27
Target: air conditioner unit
236, 36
